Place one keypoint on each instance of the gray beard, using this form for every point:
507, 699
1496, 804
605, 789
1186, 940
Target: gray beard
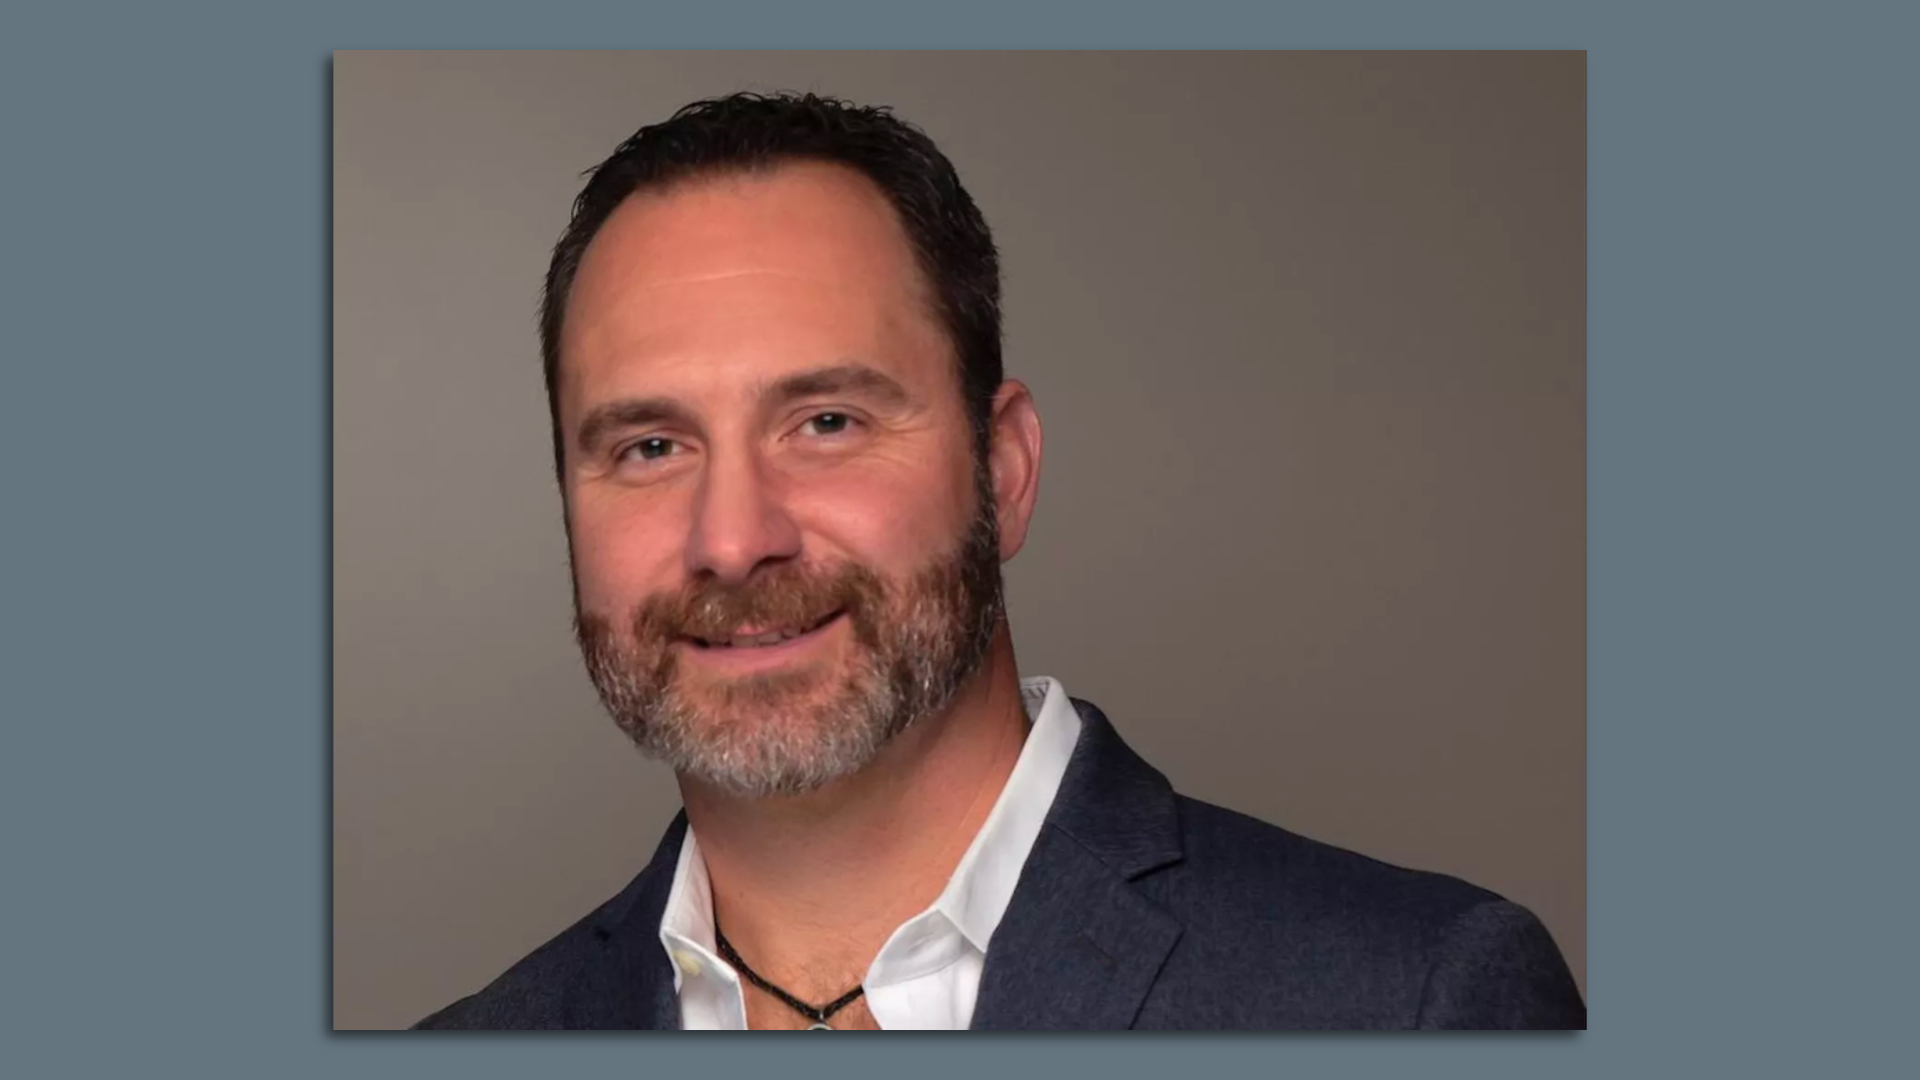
917, 644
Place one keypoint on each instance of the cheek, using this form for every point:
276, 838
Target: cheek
891, 518
625, 551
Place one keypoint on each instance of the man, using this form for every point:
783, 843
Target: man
790, 469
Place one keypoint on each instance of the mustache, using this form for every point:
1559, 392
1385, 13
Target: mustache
784, 597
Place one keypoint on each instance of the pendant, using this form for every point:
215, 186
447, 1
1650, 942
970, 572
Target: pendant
819, 1025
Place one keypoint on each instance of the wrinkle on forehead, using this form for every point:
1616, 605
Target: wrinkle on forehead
817, 261
722, 275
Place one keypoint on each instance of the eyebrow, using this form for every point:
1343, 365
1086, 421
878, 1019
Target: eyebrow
857, 379
854, 379
604, 420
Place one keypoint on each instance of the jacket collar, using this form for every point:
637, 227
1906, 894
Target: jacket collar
1079, 947
633, 985
1114, 804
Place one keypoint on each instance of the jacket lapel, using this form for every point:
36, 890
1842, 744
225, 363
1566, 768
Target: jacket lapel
1079, 947
631, 985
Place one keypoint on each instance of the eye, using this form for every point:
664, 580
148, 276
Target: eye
828, 423
649, 449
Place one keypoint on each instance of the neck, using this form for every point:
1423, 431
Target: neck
810, 886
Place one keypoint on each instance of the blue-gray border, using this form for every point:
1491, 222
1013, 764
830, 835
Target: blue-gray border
164, 431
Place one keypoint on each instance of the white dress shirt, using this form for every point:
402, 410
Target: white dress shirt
927, 975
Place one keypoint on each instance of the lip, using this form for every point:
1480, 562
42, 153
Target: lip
750, 658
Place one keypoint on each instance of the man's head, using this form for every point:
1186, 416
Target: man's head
789, 464
755, 134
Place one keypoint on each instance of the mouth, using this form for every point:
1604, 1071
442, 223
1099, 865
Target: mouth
751, 640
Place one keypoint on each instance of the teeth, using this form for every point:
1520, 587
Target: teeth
771, 637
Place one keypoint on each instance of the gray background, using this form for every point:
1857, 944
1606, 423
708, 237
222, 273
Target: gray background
1306, 331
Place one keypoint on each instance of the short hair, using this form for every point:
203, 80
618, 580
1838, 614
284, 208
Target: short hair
750, 132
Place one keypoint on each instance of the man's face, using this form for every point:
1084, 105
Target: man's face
783, 550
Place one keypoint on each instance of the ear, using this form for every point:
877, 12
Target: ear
1014, 458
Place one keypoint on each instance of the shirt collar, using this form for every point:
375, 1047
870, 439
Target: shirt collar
976, 896
982, 884
687, 927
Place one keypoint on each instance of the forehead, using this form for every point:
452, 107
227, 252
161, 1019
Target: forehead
748, 273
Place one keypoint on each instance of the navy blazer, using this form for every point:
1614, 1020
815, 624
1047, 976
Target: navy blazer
1138, 908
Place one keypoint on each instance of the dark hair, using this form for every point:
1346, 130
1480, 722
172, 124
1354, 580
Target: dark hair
749, 132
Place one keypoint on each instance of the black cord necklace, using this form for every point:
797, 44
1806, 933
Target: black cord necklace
819, 1014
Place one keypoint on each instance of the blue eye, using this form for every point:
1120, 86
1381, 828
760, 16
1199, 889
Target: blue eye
830, 423
649, 449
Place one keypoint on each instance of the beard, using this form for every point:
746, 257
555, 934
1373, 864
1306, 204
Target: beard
916, 642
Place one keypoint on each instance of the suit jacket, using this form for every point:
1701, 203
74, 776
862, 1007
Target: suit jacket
1138, 908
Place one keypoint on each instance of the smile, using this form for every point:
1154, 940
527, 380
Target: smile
763, 646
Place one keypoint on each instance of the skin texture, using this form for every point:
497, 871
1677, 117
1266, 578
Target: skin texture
689, 474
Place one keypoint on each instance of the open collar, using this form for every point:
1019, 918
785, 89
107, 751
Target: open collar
1077, 948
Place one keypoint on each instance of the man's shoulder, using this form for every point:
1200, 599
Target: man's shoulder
1250, 867
548, 988
1341, 940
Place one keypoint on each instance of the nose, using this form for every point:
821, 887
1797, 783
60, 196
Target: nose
738, 520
